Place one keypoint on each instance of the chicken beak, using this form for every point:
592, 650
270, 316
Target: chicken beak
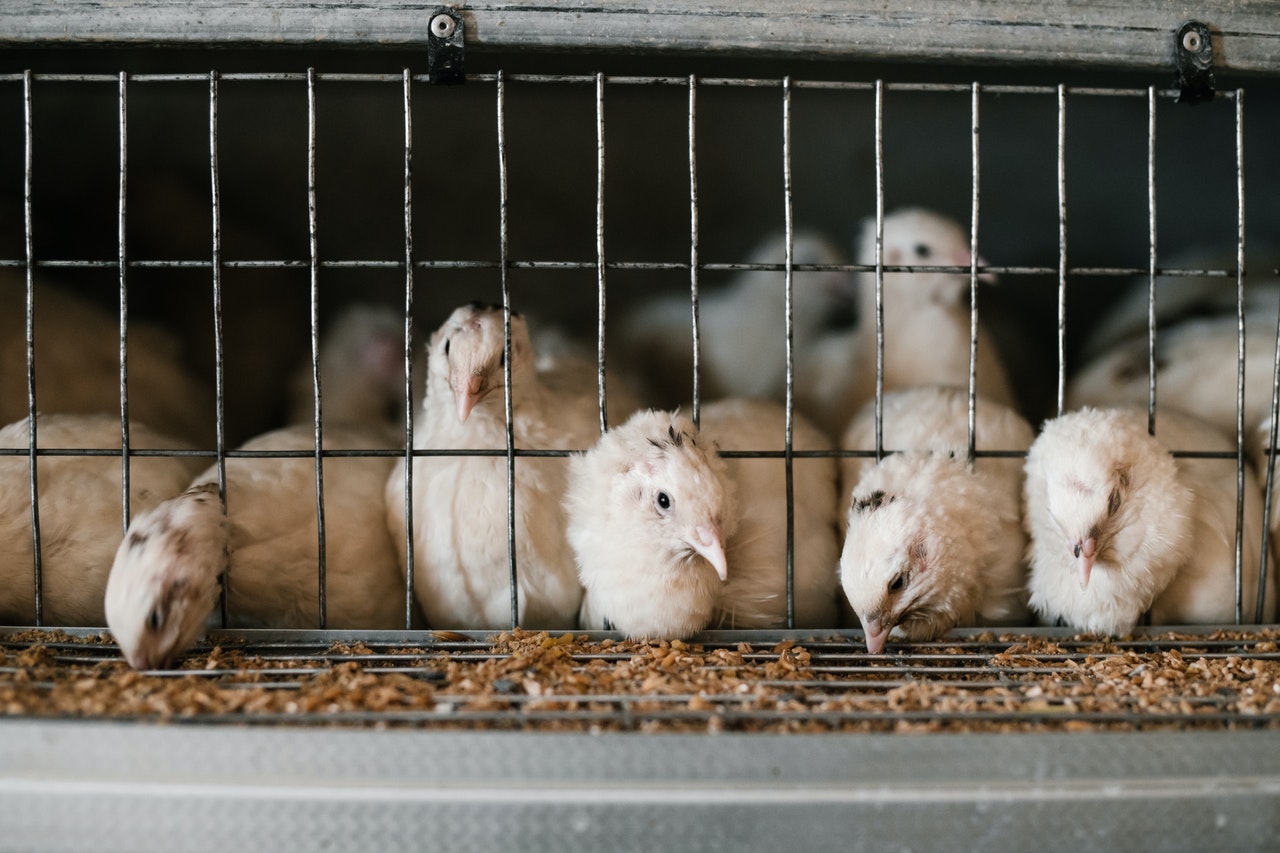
965, 259
143, 661
467, 394
876, 634
708, 542
986, 277
1085, 550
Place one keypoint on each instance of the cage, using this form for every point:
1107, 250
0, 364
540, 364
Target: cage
235, 175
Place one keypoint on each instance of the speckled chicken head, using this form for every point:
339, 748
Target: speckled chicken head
897, 569
164, 581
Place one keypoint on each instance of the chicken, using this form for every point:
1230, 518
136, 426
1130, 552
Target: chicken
671, 538
932, 543
461, 568
926, 320
361, 371
77, 364
565, 365
1196, 368
165, 580
1119, 526
742, 325
163, 583
81, 519
755, 595
1186, 297
1259, 441
649, 511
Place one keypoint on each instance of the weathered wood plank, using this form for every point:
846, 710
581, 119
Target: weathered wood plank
1108, 33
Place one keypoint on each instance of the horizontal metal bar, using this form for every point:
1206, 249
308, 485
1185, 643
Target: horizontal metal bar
1143, 637
537, 453
614, 265
994, 89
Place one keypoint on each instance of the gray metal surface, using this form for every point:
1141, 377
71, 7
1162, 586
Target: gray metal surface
1092, 33
75, 786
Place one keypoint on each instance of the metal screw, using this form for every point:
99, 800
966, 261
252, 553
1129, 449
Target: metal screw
443, 26
1191, 41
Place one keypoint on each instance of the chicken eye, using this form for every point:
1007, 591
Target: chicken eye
922, 250
664, 501
899, 581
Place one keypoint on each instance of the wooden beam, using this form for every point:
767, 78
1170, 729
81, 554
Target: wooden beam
1102, 33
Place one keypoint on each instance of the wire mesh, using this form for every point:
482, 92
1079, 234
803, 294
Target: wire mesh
976, 676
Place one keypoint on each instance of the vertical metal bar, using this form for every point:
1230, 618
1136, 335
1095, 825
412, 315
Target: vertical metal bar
1151, 271
1151, 283
693, 248
315, 341
409, 592
1062, 247
879, 404
37, 559
789, 303
1151, 260
973, 278
506, 349
600, 294
216, 267
124, 303
1151, 276
1240, 350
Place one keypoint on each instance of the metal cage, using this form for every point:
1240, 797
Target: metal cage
664, 136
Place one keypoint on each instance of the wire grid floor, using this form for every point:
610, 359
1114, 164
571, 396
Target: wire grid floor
748, 681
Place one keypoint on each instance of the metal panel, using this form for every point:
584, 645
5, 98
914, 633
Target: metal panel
137, 787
